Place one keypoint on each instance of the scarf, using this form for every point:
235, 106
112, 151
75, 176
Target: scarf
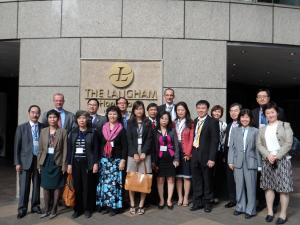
110, 135
169, 146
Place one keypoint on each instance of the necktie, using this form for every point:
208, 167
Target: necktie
59, 121
35, 139
153, 124
263, 119
197, 138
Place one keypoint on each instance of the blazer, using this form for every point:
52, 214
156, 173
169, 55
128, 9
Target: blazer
209, 140
236, 154
255, 112
284, 136
175, 142
132, 137
98, 122
23, 145
60, 147
187, 138
91, 146
69, 120
119, 151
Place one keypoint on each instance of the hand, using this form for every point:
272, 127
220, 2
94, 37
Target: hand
136, 157
272, 158
231, 166
142, 156
210, 163
69, 169
95, 168
186, 158
122, 164
18, 168
175, 163
154, 167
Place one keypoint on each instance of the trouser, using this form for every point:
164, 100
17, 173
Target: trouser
230, 184
219, 178
25, 178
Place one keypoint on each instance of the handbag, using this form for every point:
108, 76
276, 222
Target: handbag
69, 192
138, 182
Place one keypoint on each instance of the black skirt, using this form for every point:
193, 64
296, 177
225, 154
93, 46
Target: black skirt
184, 168
51, 174
165, 166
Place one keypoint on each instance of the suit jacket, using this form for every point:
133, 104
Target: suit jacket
255, 112
69, 120
24, 144
187, 138
284, 136
91, 146
132, 137
236, 154
99, 121
209, 140
60, 147
162, 108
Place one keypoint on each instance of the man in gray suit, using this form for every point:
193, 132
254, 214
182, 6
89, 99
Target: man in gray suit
66, 117
25, 156
97, 121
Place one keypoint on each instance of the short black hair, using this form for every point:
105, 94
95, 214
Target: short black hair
118, 99
34, 106
265, 90
203, 102
236, 104
270, 105
246, 112
114, 108
152, 104
93, 99
53, 112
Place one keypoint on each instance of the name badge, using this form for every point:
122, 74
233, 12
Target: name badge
262, 125
163, 148
50, 150
140, 141
35, 143
112, 144
79, 150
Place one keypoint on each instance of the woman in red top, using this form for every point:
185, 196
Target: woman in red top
185, 133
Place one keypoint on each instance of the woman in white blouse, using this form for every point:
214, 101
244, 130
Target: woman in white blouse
274, 142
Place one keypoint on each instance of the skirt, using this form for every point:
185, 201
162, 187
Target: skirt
109, 188
184, 168
133, 166
165, 166
51, 174
278, 178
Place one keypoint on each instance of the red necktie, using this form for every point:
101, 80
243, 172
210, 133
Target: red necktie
153, 124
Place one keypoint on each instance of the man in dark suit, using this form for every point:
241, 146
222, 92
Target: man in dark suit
26, 149
169, 105
263, 96
234, 111
66, 118
205, 145
122, 104
97, 120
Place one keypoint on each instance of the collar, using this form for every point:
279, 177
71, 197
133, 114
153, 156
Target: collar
172, 105
202, 119
152, 120
32, 123
60, 111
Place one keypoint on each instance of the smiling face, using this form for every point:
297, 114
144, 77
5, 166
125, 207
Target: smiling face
262, 98
216, 114
152, 112
234, 112
92, 107
245, 120
271, 115
112, 116
202, 110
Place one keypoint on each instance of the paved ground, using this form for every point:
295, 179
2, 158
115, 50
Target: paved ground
153, 216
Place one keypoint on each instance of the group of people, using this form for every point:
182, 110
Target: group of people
192, 155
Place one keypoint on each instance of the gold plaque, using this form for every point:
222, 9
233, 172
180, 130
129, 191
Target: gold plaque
121, 75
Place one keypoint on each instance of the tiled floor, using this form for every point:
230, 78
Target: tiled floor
153, 216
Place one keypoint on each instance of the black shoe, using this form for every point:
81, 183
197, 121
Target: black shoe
281, 221
21, 214
248, 216
105, 211
36, 210
52, 215
269, 218
160, 206
76, 214
87, 214
45, 214
260, 207
196, 207
208, 208
230, 204
237, 213
170, 207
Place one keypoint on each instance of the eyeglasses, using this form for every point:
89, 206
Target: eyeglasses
262, 96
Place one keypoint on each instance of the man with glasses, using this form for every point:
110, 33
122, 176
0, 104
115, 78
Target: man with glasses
96, 120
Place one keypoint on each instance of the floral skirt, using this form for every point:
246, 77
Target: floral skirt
109, 188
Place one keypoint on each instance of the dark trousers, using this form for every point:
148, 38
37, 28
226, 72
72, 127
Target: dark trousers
202, 180
230, 184
219, 179
82, 179
25, 178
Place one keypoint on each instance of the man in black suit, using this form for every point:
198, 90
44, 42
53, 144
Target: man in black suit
234, 111
97, 120
26, 149
122, 104
205, 145
263, 96
169, 106
66, 117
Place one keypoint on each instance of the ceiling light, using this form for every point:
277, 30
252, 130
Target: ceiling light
243, 52
292, 53
234, 64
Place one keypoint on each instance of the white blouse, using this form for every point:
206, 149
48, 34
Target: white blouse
271, 138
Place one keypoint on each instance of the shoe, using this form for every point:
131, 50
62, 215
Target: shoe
36, 210
281, 221
160, 206
113, 212
105, 211
76, 214
248, 216
237, 213
207, 208
44, 215
21, 214
87, 214
196, 207
52, 215
132, 211
230, 204
171, 207
141, 211
269, 218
